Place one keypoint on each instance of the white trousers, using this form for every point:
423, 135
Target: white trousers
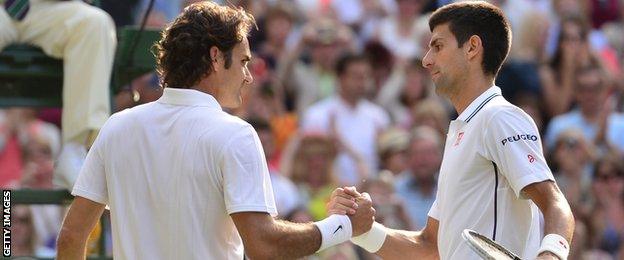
84, 37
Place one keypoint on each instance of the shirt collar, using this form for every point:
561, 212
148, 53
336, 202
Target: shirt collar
479, 103
188, 97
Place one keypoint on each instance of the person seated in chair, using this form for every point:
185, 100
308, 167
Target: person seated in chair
84, 37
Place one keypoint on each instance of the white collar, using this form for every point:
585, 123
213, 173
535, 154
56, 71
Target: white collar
479, 103
188, 97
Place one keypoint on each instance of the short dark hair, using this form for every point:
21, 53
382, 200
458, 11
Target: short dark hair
346, 59
482, 19
280, 10
183, 52
584, 26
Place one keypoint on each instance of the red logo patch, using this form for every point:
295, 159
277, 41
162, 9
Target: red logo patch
531, 158
459, 138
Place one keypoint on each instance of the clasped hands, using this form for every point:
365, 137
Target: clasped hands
358, 206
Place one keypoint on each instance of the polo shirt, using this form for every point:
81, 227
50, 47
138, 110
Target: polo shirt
575, 120
358, 127
492, 151
172, 171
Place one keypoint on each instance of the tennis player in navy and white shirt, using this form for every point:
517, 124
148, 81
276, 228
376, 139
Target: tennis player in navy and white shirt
492, 152
493, 177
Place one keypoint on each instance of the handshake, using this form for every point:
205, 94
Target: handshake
357, 206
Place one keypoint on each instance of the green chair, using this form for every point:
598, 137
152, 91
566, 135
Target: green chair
28, 77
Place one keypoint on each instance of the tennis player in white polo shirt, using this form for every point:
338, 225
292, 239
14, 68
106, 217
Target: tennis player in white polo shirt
493, 176
184, 179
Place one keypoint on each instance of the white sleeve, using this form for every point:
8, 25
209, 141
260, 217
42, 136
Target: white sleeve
434, 212
246, 180
91, 182
513, 143
315, 119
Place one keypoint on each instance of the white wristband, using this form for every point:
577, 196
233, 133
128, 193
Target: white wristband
335, 229
371, 240
555, 244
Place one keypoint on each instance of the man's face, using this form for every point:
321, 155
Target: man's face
355, 79
278, 29
445, 61
425, 157
235, 77
591, 92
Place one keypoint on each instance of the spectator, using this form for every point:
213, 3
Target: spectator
571, 156
307, 83
23, 234
603, 11
520, 75
355, 120
572, 53
382, 63
557, 10
10, 149
284, 190
432, 113
390, 209
417, 186
608, 188
84, 37
399, 32
614, 32
27, 146
407, 85
392, 147
591, 92
310, 168
277, 27
163, 12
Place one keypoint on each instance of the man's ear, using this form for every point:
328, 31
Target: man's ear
473, 46
214, 55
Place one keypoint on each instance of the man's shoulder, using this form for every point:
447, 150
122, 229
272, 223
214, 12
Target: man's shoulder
571, 117
122, 117
504, 113
374, 108
228, 125
323, 104
500, 107
617, 118
320, 108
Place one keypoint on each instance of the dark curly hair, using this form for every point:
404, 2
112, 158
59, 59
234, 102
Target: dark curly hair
482, 19
183, 52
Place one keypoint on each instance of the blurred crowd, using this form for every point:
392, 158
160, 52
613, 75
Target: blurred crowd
340, 98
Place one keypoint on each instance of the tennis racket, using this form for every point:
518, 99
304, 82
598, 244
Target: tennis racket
486, 248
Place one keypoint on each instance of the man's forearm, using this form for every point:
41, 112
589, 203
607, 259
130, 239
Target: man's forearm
415, 244
70, 248
267, 238
295, 240
558, 219
282, 240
